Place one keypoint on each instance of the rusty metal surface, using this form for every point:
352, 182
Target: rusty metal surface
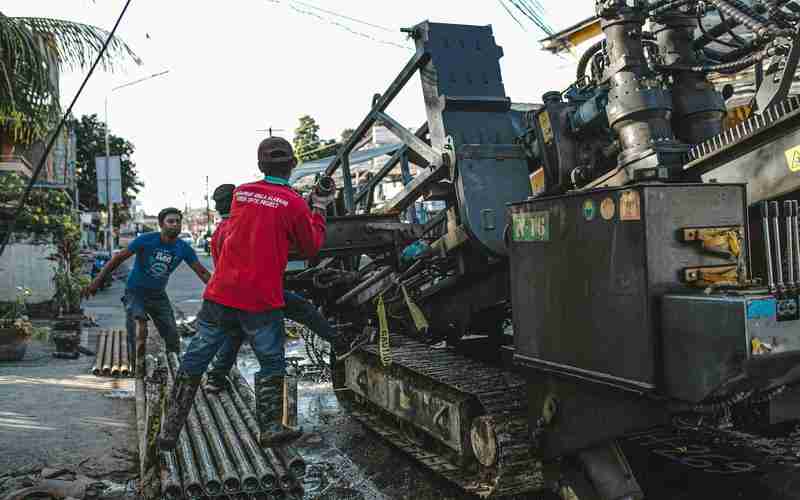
500, 396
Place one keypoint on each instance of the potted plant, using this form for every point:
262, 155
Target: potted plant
15, 329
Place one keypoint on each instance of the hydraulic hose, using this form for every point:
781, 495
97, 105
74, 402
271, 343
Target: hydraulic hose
585, 58
729, 67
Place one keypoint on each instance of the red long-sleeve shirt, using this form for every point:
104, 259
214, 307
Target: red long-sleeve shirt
266, 218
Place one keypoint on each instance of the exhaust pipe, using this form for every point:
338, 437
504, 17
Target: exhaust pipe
102, 338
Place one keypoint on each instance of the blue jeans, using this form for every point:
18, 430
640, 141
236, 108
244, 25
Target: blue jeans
297, 309
217, 323
139, 304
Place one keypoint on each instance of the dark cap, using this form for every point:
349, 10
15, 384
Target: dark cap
275, 150
223, 192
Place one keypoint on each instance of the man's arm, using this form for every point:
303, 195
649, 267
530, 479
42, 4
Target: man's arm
201, 271
109, 268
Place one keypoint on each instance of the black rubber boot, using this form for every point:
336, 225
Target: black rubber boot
269, 413
215, 383
180, 403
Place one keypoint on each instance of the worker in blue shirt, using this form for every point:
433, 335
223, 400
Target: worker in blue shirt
158, 254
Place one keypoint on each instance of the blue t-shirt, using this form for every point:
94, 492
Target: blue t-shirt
155, 261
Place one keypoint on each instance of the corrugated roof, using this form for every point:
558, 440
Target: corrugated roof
356, 159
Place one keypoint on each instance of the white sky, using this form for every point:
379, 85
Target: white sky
244, 65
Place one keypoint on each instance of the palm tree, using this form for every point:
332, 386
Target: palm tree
33, 50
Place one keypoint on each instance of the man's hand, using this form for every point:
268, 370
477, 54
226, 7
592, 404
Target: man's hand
90, 290
321, 201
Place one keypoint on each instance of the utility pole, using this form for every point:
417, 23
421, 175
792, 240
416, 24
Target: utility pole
208, 210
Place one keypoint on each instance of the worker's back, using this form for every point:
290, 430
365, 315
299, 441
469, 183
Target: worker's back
266, 217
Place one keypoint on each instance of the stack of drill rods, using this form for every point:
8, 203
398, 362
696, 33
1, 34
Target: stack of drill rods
255, 472
286, 455
207, 443
191, 477
262, 469
250, 483
112, 354
284, 476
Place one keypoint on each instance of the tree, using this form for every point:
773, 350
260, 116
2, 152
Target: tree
33, 50
90, 135
347, 134
306, 139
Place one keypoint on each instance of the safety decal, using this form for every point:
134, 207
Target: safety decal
588, 210
793, 158
630, 206
608, 208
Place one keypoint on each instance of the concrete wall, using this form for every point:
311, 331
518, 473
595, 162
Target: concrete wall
26, 264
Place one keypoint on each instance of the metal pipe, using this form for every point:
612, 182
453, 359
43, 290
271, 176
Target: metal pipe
788, 209
192, 486
102, 337
234, 445
171, 488
796, 231
281, 473
775, 212
293, 461
124, 366
115, 354
364, 285
108, 355
767, 244
264, 472
225, 468
213, 484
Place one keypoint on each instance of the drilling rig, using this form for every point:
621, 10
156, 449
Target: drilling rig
607, 308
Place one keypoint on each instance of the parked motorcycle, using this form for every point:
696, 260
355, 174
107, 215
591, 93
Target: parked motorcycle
100, 260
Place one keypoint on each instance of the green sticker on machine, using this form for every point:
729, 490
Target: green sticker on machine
531, 226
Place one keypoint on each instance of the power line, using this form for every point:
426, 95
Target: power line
384, 28
296, 5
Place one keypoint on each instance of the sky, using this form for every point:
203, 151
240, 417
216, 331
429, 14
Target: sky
239, 66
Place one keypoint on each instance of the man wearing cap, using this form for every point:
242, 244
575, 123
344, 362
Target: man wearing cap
245, 292
158, 254
297, 309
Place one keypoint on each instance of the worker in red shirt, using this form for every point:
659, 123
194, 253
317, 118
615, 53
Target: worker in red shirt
245, 292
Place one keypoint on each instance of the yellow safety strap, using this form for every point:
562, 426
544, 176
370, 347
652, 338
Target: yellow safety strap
383, 340
420, 323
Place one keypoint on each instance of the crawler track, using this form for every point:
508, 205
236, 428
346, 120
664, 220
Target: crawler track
499, 397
